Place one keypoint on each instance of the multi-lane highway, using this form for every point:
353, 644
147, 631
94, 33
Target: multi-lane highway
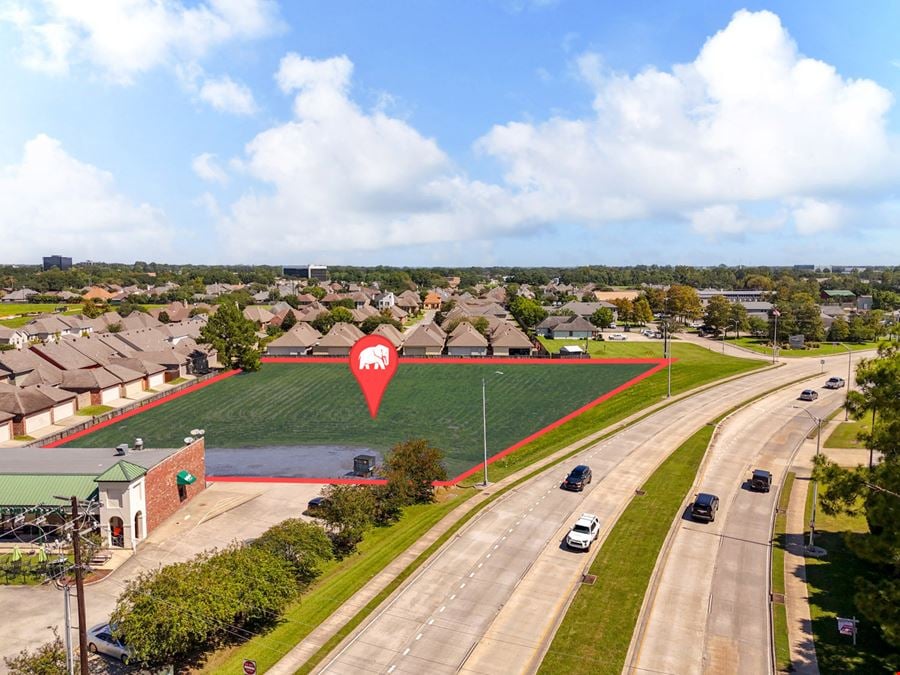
494, 594
710, 608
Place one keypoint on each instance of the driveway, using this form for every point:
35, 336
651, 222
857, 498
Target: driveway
223, 513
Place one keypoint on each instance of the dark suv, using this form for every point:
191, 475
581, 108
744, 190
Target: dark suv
705, 507
581, 475
761, 480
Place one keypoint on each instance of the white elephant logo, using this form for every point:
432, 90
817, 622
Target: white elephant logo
377, 357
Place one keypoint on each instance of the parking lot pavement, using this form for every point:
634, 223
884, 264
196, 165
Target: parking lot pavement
223, 513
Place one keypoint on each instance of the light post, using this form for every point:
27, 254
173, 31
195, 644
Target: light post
849, 375
776, 314
484, 422
812, 518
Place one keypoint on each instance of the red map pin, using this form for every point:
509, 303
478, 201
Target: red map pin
373, 362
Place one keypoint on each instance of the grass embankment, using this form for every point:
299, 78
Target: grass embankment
831, 584
761, 346
845, 435
597, 629
779, 545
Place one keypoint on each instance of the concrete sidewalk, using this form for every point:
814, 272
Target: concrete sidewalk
796, 595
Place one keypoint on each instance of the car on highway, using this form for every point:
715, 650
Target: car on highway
704, 507
760, 480
101, 641
617, 336
809, 395
834, 383
578, 478
583, 532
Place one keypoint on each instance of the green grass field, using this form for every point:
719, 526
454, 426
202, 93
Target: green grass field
779, 545
831, 582
321, 404
844, 435
825, 348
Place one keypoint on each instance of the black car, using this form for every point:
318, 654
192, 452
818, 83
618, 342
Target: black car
316, 504
579, 477
761, 480
704, 507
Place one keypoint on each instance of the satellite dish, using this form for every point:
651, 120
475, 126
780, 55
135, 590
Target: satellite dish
201, 432
195, 432
188, 440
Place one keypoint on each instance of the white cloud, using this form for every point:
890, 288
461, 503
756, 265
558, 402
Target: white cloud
73, 207
750, 120
123, 38
812, 216
750, 126
226, 95
206, 166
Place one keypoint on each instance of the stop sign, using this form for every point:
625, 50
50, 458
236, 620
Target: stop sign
249, 667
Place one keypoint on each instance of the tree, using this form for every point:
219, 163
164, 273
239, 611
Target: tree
233, 336
602, 318
316, 291
341, 314
642, 312
91, 309
718, 311
129, 306
625, 309
527, 312
348, 513
411, 469
164, 317
304, 545
737, 318
48, 659
684, 303
656, 298
840, 330
369, 324
289, 321
757, 325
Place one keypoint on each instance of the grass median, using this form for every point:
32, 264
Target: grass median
762, 346
845, 435
596, 631
779, 545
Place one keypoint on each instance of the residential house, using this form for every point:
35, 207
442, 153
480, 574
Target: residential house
46, 328
98, 293
398, 314
390, 332
19, 296
426, 339
33, 409
465, 340
63, 355
154, 374
507, 340
94, 386
385, 301
586, 309
864, 303
298, 341
409, 301
432, 301
25, 368
338, 341
566, 327
6, 426
13, 337
258, 315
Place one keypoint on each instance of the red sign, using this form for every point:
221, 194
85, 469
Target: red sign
249, 667
373, 362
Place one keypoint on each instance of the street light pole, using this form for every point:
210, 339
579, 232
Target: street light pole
812, 519
849, 375
776, 314
484, 427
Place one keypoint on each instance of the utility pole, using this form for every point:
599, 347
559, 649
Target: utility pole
79, 589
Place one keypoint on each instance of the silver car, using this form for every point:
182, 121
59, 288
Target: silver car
101, 641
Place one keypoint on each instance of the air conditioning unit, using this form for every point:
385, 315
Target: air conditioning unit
122, 449
138, 444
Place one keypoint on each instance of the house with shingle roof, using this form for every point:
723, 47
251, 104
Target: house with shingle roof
465, 340
566, 327
35, 408
258, 315
154, 374
409, 301
298, 341
389, 331
507, 340
47, 327
426, 339
338, 341
63, 355
13, 337
432, 301
18, 296
26, 368
6, 426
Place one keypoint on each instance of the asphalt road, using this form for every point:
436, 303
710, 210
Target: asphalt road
491, 598
710, 612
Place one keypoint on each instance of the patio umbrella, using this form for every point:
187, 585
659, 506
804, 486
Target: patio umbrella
16, 554
42, 555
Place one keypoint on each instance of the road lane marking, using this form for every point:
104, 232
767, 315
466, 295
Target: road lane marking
496, 546
471, 574
419, 636
480, 565
443, 607
453, 597
430, 621
391, 669
462, 585
488, 555
406, 651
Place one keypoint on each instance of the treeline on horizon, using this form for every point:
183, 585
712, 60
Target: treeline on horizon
195, 277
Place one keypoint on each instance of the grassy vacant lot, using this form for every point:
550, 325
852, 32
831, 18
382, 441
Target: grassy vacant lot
321, 404
831, 582
844, 435
10, 308
596, 632
779, 545
825, 348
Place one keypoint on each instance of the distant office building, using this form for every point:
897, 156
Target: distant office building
317, 272
59, 261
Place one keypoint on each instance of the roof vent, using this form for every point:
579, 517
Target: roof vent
122, 449
138, 444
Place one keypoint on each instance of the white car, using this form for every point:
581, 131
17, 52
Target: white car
101, 641
618, 336
583, 532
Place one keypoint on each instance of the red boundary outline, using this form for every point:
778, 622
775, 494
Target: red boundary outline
659, 365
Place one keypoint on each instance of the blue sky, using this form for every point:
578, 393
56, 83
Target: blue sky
434, 133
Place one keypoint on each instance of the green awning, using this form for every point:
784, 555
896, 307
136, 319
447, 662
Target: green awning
186, 477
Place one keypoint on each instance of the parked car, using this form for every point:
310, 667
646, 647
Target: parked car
578, 478
617, 336
316, 504
584, 532
704, 507
101, 641
657, 335
760, 480
809, 395
834, 383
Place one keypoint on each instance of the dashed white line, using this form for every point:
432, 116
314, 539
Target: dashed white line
443, 607
471, 574
488, 555
480, 565
406, 651
510, 530
391, 669
430, 621
504, 537
496, 546
419, 636
453, 597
